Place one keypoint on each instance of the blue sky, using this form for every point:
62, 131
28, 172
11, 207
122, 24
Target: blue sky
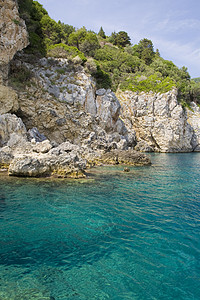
172, 25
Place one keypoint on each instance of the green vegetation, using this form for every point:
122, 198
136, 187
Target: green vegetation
112, 60
101, 33
65, 51
196, 79
19, 76
153, 83
16, 21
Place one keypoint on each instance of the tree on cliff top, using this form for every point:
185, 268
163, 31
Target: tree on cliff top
122, 39
145, 50
101, 33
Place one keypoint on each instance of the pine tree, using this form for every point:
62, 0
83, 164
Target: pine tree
102, 33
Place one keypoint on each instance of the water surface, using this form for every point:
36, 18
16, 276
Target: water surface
115, 236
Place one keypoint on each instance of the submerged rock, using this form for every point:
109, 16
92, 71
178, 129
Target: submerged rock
126, 157
126, 170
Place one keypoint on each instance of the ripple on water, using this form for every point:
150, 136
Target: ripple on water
118, 236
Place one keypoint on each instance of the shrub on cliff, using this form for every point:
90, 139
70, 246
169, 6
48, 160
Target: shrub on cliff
116, 61
65, 51
86, 42
154, 83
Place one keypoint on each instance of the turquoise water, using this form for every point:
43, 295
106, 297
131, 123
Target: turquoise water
116, 236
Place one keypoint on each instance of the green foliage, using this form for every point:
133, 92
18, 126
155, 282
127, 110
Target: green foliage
25, 6
186, 104
19, 76
86, 42
65, 51
43, 31
17, 22
89, 44
116, 63
145, 50
196, 79
101, 33
102, 78
121, 39
51, 30
77, 37
67, 30
195, 91
154, 83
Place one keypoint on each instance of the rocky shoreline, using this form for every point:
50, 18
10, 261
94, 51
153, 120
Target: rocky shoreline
30, 154
55, 122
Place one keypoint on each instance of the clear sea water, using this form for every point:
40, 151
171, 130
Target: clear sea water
115, 236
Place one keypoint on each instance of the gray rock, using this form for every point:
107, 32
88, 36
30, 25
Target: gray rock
11, 127
108, 110
28, 167
101, 92
35, 134
158, 119
143, 146
42, 147
5, 157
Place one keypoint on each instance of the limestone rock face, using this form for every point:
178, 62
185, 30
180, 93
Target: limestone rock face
12, 130
14, 36
108, 110
193, 118
158, 120
8, 100
5, 158
63, 104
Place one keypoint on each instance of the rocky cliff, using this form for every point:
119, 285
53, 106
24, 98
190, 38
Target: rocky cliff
160, 122
59, 112
53, 120
13, 34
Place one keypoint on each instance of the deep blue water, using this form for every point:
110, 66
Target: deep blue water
115, 236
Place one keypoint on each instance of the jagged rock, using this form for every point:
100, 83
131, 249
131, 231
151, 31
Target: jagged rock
14, 36
193, 118
101, 92
128, 157
16, 139
11, 127
90, 102
143, 146
59, 119
48, 164
8, 100
36, 135
64, 148
28, 167
5, 158
42, 147
108, 109
157, 119
36, 159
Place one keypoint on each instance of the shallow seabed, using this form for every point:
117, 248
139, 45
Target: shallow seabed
115, 236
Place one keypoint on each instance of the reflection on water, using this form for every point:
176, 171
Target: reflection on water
115, 236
